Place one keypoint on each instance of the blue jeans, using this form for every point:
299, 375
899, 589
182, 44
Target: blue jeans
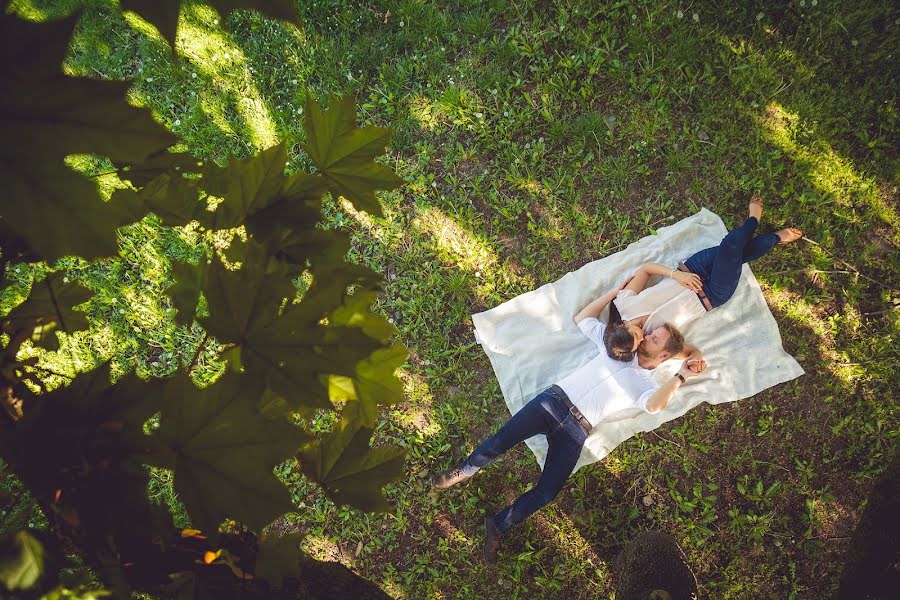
720, 266
546, 414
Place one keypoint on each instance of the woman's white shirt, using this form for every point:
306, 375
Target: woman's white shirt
604, 389
666, 302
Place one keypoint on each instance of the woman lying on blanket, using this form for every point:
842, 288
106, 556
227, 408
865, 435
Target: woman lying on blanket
710, 276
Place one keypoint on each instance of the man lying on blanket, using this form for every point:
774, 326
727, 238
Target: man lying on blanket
604, 389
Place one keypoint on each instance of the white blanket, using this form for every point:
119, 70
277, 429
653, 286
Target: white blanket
532, 341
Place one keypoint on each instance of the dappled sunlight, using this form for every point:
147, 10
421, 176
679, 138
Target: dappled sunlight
450, 531
322, 548
385, 232
424, 112
218, 58
829, 172
794, 307
453, 243
416, 413
558, 529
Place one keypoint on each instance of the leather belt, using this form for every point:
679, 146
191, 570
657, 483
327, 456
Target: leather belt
703, 299
573, 410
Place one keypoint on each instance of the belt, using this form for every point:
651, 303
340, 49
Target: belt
703, 299
573, 410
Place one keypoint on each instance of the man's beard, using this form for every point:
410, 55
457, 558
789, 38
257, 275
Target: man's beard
642, 352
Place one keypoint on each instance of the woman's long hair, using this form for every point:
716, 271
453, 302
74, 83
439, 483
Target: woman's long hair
617, 339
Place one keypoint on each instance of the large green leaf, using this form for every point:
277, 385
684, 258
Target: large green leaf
348, 469
289, 349
46, 116
279, 558
256, 190
345, 153
224, 451
171, 163
21, 560
174, 199
49, 307
185, 293
164, 13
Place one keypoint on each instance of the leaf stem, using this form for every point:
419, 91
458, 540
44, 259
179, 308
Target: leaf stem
197, 353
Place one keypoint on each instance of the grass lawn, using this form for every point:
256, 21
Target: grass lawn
536, 137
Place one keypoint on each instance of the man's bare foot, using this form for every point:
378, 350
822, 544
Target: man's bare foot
788, 235
756, 206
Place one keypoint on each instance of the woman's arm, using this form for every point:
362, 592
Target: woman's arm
596, 307
689, 280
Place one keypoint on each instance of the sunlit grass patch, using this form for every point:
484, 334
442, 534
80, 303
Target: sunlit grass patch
831, 173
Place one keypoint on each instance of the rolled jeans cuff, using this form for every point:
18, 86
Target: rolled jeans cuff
468, 468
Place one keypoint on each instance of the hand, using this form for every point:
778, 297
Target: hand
692, 368
696, 365
689, 280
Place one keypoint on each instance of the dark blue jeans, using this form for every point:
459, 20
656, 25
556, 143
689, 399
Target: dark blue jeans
720, 266
546, 414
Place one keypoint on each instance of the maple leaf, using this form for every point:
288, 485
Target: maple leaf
289, 348
256, 191
48, 307
21, 560
279, 558
185, 293
171, 163
345, 153
175, 200
46, 116
164, 13
225, 450
350, 471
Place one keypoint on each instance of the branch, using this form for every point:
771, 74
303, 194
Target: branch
197, 353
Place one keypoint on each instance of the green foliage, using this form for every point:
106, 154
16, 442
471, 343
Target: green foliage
344, 153
352, 472
47, 209
164, 13
49, 307
84, 443
224, 450
21, 560
278, 558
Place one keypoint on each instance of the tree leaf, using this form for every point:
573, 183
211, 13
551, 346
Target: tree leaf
50, 306
289, 349
21, 560
185, 293
225, 451
164, 13
256, 191
279, 558
376, 382
171, 163
50, 116
348, 469
174, 199
345, 153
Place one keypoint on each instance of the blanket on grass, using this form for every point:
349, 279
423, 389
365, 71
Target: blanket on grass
532, 341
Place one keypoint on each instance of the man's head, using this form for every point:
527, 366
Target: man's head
660, 345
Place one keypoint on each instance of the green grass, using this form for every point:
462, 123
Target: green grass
535, 138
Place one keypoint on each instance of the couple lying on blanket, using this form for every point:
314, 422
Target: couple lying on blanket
641, 334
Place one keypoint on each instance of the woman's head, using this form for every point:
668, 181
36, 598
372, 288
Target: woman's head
621, 339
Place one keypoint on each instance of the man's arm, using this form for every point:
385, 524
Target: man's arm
660, 398
596, 307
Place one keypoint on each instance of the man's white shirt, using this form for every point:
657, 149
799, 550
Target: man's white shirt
605, 389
